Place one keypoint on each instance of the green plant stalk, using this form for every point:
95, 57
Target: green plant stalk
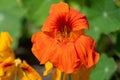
69, 77
62, 76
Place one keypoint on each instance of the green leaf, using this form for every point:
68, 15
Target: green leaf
104, 68
7, 4
10, 19
103, 15
37, 10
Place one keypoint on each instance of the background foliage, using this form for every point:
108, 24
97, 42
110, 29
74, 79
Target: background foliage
21, 18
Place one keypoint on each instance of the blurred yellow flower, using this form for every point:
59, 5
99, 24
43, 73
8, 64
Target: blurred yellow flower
11, 68
6, 57
25, 71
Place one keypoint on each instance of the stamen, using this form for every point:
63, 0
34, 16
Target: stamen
65, 32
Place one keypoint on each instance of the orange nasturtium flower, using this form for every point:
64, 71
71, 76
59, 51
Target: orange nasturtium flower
62, 40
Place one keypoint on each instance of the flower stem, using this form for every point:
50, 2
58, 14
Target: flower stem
62, 76
69, 77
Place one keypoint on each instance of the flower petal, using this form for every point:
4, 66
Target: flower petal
48, 67
5, 54
58, 13
77, 21
85, 47
5, 41
7, 69
26, 72
65, 58
43, 45
59, 8
62, 15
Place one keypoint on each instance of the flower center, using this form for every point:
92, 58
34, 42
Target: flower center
65, 32
66, 35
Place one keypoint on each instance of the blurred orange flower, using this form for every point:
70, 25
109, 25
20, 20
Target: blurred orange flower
63, 41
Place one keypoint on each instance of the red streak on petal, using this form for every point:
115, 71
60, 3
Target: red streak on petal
7, 65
